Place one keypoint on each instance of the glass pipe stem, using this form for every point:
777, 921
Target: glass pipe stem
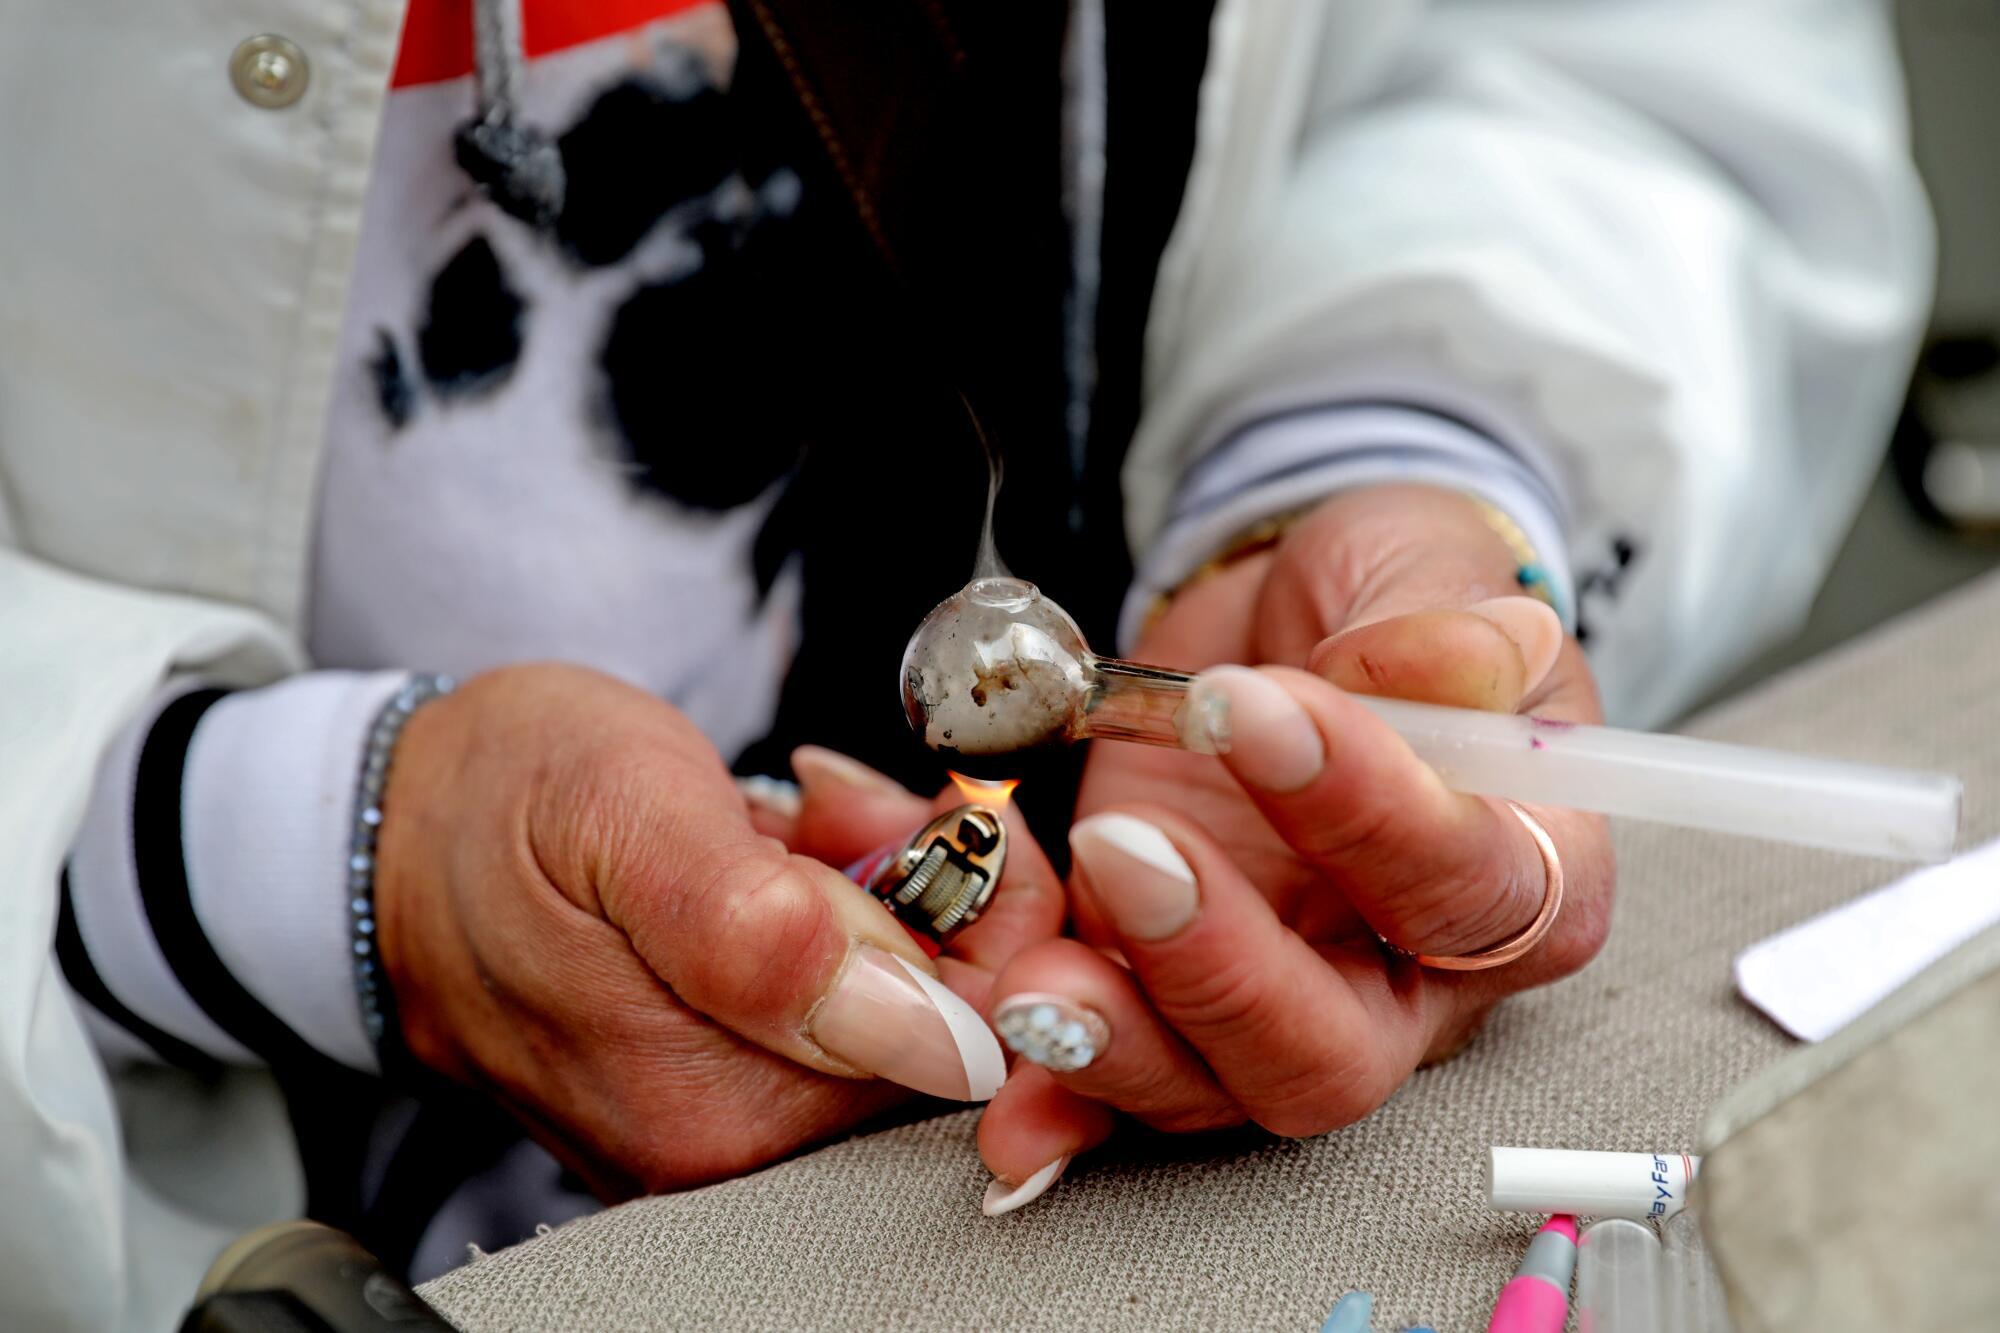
1130, 701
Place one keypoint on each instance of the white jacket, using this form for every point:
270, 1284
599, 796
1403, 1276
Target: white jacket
1674, 256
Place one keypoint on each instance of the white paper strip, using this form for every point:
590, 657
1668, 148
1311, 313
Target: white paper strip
1822, 974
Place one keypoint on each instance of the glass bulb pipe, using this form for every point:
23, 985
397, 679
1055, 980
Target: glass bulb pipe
998, 671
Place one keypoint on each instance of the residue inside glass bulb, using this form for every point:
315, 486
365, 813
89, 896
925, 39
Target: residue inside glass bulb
995, 669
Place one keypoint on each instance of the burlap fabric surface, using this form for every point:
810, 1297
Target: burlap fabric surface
1249, 1233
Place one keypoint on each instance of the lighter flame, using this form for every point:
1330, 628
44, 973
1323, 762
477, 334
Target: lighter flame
993, 795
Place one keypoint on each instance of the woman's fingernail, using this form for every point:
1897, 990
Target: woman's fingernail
1534, 627
1004, 1198
1051, 1031
818, 766
1138, 877
1271, 741
774, 794
891, 1019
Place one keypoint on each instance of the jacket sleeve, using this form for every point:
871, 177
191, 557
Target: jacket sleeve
91, 1238
1669, 260
206, 912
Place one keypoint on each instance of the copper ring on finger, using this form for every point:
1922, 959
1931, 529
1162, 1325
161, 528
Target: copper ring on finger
1511, 948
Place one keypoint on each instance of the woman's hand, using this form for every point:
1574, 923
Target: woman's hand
1229, 967
579, 916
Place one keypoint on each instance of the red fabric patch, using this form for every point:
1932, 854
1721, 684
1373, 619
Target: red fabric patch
437, 34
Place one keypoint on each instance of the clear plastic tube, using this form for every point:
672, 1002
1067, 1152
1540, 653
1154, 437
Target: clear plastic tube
1694, 1299
1679, 780
1618, 1283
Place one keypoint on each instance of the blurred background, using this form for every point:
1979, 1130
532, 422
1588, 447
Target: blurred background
1932, 519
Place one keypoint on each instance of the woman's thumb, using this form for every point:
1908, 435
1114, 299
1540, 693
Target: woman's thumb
1490, 655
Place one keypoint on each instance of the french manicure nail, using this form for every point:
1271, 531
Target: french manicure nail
1136, 873
818, 766
774, 794
1050, 1030
1534, 627
1271, 741
890, 1018
1004, 1198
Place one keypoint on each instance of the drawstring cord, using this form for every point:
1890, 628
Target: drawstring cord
515, 164
1083, 202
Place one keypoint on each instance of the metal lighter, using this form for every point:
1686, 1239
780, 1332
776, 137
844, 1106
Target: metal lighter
941, 878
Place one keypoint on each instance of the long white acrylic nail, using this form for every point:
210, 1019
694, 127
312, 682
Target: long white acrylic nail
774, 794
891, 1019
1003, 1198
985, 1066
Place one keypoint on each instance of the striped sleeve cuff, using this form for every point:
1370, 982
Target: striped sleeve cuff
109, 952
1291, 460
207, 888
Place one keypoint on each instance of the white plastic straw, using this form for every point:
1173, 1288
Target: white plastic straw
1861, 808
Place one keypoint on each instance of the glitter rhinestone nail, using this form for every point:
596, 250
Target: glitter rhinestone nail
1051, 1031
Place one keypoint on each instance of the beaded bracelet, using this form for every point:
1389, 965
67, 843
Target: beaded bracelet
1529, 571
371, 983
1259, 537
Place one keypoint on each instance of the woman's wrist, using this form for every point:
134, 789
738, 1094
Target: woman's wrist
371, 980
1436, 547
